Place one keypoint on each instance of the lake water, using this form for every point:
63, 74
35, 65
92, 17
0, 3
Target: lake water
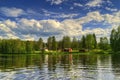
59, 67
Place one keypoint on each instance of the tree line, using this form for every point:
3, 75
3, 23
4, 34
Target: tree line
20, 46
16, 46
85, 42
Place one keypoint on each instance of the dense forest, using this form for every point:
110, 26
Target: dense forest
85, 42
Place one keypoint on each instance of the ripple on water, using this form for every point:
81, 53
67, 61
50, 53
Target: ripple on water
79, 68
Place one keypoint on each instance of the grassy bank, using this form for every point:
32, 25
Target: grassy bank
94, 51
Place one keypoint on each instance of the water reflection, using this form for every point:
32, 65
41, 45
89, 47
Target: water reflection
59, 67
104, 67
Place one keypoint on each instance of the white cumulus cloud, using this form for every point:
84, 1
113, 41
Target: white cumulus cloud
78, 4
31, 29
56, 2
11, 12
94, 3
111, 9
59, 15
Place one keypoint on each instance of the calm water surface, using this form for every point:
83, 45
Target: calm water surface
59, 67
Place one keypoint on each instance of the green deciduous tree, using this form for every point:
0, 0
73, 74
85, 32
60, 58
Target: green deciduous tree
115, 39
66, 42
29, 47
88, 42
104, 43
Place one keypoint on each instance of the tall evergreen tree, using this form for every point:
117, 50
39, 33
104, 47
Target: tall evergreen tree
49, 43
74, 43
95, 41
83, 42
54, 43
40, 43
60, 44
66, 42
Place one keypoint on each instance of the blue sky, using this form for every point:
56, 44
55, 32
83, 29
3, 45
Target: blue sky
31, 19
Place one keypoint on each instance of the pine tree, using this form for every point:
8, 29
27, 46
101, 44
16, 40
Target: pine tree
49, 43
54, 43
74, 43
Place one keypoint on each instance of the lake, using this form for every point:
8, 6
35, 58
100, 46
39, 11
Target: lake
59, 67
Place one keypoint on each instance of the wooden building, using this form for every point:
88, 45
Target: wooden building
67, 49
